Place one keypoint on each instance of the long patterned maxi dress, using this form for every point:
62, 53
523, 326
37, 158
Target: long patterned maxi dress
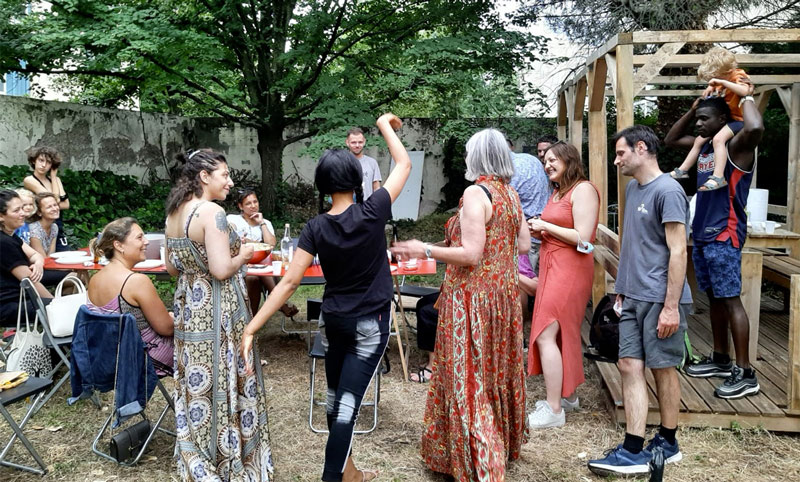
220, 412
475, 412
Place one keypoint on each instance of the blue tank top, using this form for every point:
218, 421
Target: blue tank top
719, 214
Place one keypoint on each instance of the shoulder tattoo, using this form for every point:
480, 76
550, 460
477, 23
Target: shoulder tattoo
221, 221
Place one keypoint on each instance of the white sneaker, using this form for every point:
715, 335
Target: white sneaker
568, 406
543, 416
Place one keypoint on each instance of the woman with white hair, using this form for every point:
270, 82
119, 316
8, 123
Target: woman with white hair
475, 414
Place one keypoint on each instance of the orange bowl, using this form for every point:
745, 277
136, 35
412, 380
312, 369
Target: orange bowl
260, 252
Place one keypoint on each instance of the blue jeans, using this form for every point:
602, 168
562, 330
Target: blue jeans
353, 351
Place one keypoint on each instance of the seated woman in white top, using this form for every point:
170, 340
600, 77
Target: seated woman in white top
251, 227
44, 233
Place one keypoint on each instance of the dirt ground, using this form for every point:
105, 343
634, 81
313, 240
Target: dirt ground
63, 434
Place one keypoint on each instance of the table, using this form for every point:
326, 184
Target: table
781, 238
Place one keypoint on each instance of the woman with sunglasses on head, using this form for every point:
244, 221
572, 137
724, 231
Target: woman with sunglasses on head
251, 226
567, 228
220, 411
354, 320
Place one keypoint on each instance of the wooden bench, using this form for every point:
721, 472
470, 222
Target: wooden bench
779, 270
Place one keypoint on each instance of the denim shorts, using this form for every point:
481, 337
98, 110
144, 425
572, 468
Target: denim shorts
718, 267
638, 334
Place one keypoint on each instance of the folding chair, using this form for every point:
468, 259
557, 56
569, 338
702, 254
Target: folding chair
60, 345
317, 352
90, 328
33, 387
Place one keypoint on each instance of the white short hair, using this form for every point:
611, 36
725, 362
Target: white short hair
488, 155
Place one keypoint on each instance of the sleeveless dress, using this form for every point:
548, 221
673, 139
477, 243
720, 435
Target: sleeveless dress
475, 412
220, 411
565, 285
160, 349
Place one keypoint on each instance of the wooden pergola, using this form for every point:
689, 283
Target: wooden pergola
616, 71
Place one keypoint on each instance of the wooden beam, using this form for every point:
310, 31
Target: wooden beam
570, 99
611, 63
670, 93
692, 80
712, 36
744, 60
793, 196
598, 71
576, 123
561, 117
777, 209
624, 97
793, 380
751, 296
785, 94
608, 238
762, 101
598, 159
653, 66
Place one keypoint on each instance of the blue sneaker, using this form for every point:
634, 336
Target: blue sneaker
618, 461
672, 453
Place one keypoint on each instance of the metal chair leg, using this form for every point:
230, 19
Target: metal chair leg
17, 429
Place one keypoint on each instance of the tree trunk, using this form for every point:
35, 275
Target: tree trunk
270, 150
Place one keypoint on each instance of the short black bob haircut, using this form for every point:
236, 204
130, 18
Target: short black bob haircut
338, 170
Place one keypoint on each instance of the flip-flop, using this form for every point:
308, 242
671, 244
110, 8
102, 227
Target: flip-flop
421, 375
713, 183
372, 473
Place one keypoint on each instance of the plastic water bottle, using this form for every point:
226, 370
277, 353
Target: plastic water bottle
287, 247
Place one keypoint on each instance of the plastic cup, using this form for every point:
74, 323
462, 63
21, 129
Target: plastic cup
769, 227
277, 266
758, 227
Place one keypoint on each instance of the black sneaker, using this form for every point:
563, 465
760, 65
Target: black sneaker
707, 367
737, 385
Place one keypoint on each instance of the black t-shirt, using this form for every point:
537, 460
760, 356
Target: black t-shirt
11, 256
352, 253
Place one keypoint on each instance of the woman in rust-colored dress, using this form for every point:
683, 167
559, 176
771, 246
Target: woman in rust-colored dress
475, 413
567, 228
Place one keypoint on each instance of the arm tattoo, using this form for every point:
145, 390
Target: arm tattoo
221, 221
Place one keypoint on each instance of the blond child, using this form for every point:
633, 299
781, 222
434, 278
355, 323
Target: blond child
724, 79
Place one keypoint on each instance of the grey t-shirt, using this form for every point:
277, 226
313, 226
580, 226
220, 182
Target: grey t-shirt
644, 255
372, 173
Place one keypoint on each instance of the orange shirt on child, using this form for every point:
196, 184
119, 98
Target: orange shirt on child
737, 76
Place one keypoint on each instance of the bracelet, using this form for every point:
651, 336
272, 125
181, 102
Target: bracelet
747, 97
64, 197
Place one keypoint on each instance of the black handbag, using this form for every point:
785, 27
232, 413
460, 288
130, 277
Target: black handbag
126, 444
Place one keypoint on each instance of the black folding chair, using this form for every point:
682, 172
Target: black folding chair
32, 387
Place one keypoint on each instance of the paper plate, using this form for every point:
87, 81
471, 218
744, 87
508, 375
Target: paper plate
74, 259
68, 254
149, 263
259, 270
393, 268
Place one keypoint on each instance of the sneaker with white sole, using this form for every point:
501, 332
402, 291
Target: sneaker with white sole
737, 385
618, 461
707, 367
672, 453
543, 416
568, 406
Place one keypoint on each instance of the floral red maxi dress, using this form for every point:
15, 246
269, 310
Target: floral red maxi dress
475, 412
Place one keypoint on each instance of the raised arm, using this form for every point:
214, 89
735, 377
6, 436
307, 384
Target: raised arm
387, 123
678, 136
742, 146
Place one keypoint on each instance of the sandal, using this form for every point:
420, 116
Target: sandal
424, 375
679, 173
373, 474
289, 310
713, 183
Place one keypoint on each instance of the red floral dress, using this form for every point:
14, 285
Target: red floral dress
475, 412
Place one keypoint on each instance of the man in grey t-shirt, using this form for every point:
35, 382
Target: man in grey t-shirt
356, 141
651, 286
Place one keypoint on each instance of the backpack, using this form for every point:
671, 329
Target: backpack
604, 332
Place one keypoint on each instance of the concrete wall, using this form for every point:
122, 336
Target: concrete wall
136, 143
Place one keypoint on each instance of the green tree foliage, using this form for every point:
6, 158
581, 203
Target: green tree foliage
287, 68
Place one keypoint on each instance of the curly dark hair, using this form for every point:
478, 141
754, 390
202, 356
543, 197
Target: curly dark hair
49, 153
194, 162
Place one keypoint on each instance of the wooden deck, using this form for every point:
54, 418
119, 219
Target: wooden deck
699, 406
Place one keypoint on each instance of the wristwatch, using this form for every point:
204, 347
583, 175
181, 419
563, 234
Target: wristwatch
747, 97
428, 251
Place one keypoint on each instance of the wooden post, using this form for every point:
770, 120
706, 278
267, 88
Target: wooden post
624, 96
751, 295
793, 196
598, 148
561, 119
576, 122
793, 380
598, 283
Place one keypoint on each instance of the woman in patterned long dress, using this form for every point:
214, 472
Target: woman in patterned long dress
475, 413
565, 284
220, 411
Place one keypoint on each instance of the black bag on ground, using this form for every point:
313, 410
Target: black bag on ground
604, 332
126, 444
